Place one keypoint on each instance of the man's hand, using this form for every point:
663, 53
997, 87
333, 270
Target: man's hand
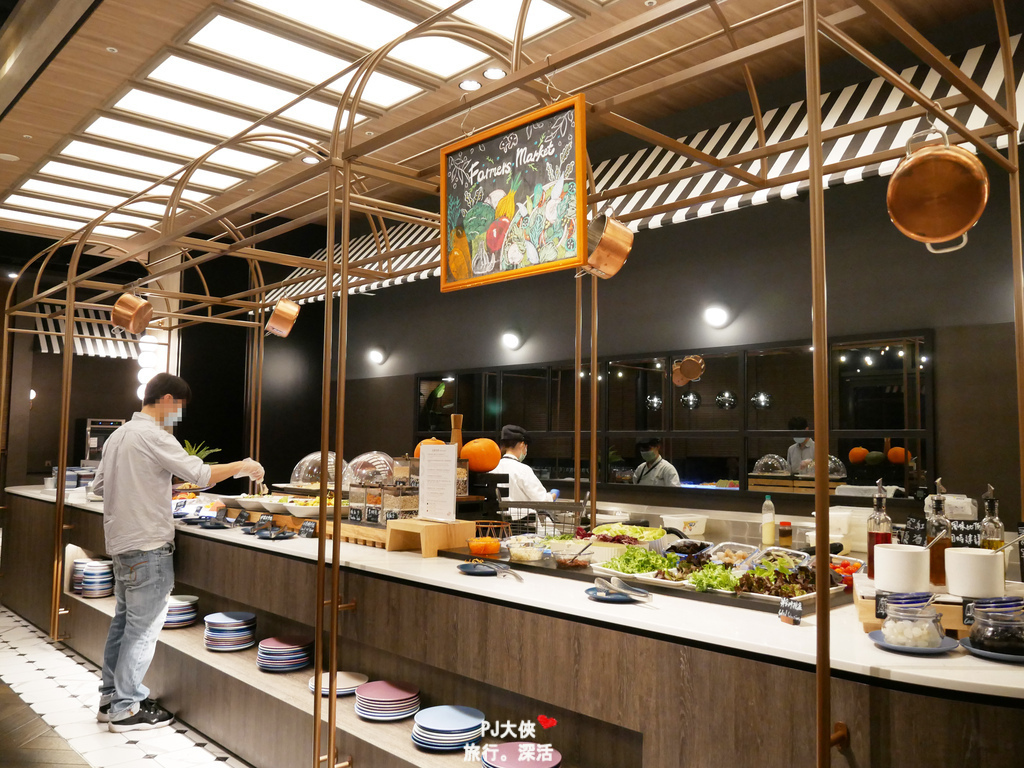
251, 469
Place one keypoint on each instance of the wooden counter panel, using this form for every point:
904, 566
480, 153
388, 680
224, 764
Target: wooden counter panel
26, 558
280, 585
86, 531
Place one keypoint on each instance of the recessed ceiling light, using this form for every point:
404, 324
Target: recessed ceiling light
717, 315
470, 85
650, 3
111, 49
369, 133
9, 158
311, 159
12, 275
495, 73
26, 136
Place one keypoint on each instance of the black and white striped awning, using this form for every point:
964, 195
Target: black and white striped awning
847, 105
108, 341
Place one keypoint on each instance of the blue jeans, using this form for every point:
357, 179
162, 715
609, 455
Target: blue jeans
142, 583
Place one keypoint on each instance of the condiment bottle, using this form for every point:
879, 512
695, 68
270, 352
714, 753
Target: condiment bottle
767, 522
992, 528
785, 534
936, 523
879, 528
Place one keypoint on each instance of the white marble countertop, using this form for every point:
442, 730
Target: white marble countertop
674, 618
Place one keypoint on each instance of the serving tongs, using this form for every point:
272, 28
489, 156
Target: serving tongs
618, 586
500, 568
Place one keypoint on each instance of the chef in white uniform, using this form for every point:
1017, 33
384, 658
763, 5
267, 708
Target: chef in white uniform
523, 484
655, 470
801, 453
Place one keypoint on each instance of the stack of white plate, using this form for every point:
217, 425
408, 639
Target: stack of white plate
98, 578
511, 755
230, 631
77, 572
182, 611
284, 654
347, 683
447, 728
385, 700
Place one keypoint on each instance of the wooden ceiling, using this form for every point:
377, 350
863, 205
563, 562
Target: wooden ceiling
116, 46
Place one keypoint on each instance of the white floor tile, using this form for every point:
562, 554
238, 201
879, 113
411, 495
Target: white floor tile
81, 688
156, 733
56, 705
94, 741
89, 700
166, 744
144, 763
76, 715
103, 758
43, 694
24, 674
35, 685
185, 758
85, 728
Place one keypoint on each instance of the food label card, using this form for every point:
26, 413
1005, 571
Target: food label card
916, 532
881, 604
791, 611
965, 533
438, 465
308, 529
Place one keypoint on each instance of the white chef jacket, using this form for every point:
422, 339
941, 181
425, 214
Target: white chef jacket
523, 484
134, 479
662, 473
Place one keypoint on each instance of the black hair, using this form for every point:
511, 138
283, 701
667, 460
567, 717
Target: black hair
511, 436
798, 422
651, 442
166, 384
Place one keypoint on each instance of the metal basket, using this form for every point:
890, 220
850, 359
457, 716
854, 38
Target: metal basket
547, 518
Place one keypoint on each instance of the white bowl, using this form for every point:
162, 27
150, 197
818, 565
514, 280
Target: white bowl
975, 572
253, 505
901, 568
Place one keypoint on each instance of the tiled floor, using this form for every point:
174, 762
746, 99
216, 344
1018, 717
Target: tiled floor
61, 688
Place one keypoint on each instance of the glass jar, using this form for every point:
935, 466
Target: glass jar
356, 503
374, 499
879, 529
936, 523
403, 470
913, 627
399, 503
462, 477
998, 631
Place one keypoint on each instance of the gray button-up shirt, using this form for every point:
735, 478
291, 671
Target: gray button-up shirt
134, 479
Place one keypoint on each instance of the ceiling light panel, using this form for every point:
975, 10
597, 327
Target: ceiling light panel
117, 158
255, 46
181, 113
72, 193
371, 27
171, 143
58, 223
500, 16
113, 180
51, 206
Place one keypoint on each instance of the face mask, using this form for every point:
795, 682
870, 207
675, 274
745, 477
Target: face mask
523, 457
648, 456
799, 440
173, 418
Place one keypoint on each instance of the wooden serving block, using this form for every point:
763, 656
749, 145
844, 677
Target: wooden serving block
775, 483
952, 615
428, 536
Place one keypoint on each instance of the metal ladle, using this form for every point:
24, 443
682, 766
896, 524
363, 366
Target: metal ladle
931, 543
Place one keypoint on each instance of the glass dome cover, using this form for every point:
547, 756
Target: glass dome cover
771, 464
307, 471
836, 468
372, 468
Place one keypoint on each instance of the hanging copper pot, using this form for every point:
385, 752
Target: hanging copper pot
937, 193
131, 313
283, 317
690, 368
609, 242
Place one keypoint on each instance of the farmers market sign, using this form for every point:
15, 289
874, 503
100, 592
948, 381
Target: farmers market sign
513, 198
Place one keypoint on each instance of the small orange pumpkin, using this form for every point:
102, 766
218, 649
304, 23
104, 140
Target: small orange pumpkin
898, 455
428, 441
483, 454
858, 455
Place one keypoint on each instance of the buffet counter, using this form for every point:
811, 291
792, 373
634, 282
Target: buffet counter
636, 684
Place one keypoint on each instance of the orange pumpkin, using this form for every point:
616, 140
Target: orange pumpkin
858, 454
898, 455
428, 441
483, 454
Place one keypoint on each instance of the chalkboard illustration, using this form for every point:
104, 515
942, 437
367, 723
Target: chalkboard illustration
513, 198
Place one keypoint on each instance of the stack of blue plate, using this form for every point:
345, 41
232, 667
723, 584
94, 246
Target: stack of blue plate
284, 654
230, 631
347, 683
384, 700
98, 579
447, 728
77, 572
182, 611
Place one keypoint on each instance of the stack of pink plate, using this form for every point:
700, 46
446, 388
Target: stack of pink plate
521, 753
385, 700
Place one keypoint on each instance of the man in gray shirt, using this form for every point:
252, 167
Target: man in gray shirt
134, 479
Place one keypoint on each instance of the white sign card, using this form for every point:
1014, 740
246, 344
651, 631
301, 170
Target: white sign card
438, 464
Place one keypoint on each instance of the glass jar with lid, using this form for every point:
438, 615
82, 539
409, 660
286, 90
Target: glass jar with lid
913, 627
399, 502
998, 629
356, 503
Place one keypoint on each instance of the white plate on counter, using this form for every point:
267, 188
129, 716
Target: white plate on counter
612, 572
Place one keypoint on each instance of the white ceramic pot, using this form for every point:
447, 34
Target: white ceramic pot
901, 568
975, 572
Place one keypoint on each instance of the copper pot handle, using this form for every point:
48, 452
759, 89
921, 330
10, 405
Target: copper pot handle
926, 132
963, 241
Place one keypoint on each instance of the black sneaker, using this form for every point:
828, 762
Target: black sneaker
103, 715
147, 718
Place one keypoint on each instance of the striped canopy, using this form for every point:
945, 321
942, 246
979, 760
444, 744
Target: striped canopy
115, 342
